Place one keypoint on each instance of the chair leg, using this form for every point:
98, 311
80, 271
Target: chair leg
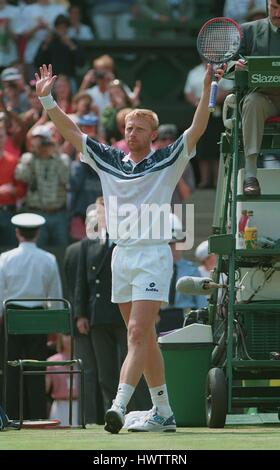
4, 389
71, 397
82, 395
20, 395
82, 399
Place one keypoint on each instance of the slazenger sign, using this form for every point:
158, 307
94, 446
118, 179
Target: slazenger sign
260, 78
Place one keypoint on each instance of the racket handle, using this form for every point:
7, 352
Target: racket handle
213, 96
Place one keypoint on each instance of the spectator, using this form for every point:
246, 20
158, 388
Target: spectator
85, 187
46, 173
8, 30
207, 260
34, 112
10, 190
102, 74
172, 316
256, 13
63, 52
120, 120
16, 132
239, 11
63, 93
118, 99
167, 134
112, 18
28, 272
36, 23
207, 264
93, 399
82, 104
87, 123
168, 13
15, 95
57, 385
207, 149
78, 30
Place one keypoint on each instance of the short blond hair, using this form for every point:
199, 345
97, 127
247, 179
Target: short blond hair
146, 114
104, 61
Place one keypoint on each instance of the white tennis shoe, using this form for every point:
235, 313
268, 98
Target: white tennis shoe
153, 422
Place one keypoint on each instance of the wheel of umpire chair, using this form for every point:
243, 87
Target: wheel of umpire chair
216, 398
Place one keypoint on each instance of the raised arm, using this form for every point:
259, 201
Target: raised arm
67, 128
201, 116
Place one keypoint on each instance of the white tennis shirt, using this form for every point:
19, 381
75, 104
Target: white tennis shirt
137, 196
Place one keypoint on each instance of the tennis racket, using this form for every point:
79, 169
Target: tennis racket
218, 41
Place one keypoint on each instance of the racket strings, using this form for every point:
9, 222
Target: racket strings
219, 41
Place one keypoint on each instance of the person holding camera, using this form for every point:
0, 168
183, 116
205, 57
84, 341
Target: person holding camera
11, 191
47, 174
63, 52
100, 76
37, 20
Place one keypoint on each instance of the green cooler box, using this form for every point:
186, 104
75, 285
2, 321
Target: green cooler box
187, 358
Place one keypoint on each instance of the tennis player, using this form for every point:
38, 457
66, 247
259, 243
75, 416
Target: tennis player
141, 262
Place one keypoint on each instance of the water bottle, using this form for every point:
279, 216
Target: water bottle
241, 228
250, 232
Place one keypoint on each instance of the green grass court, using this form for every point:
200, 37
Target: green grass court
260, 435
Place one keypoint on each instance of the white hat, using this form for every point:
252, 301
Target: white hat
28, 220
201, 251
176, 228
42, 131
10, 74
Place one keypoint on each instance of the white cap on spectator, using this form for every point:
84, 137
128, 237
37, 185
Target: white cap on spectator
28, 220
42, 131
201, 251
10, 74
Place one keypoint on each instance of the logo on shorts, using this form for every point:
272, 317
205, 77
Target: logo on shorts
152, 287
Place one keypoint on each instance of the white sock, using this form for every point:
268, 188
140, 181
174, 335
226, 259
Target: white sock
124, 393
251, 166
159, 396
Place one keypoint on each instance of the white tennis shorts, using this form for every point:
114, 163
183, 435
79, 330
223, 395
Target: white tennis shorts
141, 273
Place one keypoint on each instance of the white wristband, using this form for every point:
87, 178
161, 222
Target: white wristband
47, 102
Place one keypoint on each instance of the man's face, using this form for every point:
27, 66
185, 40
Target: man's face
41, 148
274, 12
90, 130
62, 29
138, 133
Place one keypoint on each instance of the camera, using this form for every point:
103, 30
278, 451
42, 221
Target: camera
100, 74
